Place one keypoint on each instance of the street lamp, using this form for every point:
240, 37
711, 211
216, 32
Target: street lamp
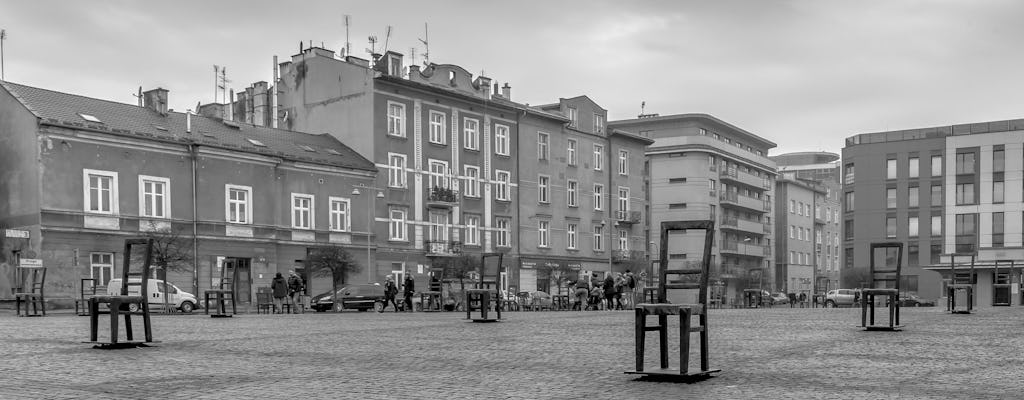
371, 271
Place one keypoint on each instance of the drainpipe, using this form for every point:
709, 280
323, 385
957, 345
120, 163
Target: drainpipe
195, 219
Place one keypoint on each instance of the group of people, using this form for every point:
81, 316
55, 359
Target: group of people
288, 292
594, 293
391, 292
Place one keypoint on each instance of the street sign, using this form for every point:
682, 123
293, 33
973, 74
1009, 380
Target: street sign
16, 233
31, 262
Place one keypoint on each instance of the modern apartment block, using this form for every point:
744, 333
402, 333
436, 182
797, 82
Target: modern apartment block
808, 248
940, 190
704, 168
83, 174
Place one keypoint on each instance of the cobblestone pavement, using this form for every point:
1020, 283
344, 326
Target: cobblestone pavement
764, 353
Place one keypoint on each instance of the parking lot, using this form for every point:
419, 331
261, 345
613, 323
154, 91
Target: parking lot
764, 353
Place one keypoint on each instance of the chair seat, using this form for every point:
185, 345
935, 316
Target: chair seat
959, 285
880, 291
123, 299
670, 309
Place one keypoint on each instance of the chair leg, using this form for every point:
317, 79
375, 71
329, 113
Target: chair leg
146, 326
663, 340
704, 345
128, 325
684, 340
115, 309
640, 325
94, 319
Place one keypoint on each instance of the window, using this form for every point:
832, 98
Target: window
792, 206
623, 202
997, 230
711, 184
502, 180
100, 191
890, 198
471, 133
623, 240
302, 211
340, 216
598, 157
890, 168
965, 193
890, 227
936, 166
936, 195
238, 208
912, 227
396, 170
472, 177
472, 230
439, 174
912, 197
542, 233
396, 119
598, 238
848, 202
154, 197
570, 236
438, 132
571, 152
501, 232
101, 267
936, 225
543, 184
998, 160
598, 123
571, 187
542, 146
848, 230
792, 257
792, 231
966, 232
964, 163
913, 164
573, 117
598, 196
623, 162
848, 175
501, 139
997, 192
255, 142
396, 224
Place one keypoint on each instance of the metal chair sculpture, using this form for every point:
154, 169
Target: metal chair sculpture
264, 300
431, 299
119, 303
1001, 282
687, 279
821, 288
960, 291
753, 298
223, 292
85, 292
888, 277
32, 294
481, 297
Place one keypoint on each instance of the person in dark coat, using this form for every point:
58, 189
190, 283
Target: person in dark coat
609, 291
408, 289
390, 291
280, 289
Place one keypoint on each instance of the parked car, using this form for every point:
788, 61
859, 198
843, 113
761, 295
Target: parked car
911, 300
178, 299
780, 298
362, 297
842, 298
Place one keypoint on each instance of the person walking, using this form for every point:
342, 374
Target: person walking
390, 291
409, 287
279, 287
582, 294
620, 286
295, 286
631, 288
609, 291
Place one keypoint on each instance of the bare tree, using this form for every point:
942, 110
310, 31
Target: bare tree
171, 252
334, 262
560, 274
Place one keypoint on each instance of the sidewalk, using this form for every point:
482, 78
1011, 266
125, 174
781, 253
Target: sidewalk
763, 353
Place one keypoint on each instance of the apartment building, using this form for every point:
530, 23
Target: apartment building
702, 168
83, 174
949, 189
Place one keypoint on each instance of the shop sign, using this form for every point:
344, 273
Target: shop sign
16, 233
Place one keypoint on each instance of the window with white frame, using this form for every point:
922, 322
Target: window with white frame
501, 183
302, 211
623, 202
341, 218
570, 236
543, 186
438, 132
598, 157
154, 197
598, 196
101, 267
238, 208
570, 152
623, 162
542, 233
571, 187
440, 224
502, 227
472, 177
396, 170
472, 230
623, 240
542, 145
397, 225
501, 139
471, 131
573, 117
439, 176
598, 123
598, 238
100, 191
396, 119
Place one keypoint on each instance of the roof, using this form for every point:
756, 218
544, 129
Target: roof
62, 109
668, 118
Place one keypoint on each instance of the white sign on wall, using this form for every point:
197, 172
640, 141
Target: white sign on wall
31, 262
16, 233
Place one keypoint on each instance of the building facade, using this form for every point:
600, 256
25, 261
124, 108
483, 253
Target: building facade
940, 190
704, 168
85, 173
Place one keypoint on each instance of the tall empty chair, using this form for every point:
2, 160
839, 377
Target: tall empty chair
960, 291
1001, 282
119, 303
32, 294
224, 291
884, 283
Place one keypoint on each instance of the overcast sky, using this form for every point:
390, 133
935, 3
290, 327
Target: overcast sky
804, 74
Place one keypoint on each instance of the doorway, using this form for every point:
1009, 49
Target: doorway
243, 288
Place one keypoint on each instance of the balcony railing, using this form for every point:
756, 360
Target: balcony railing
442, 248
442, 197
626, 255
626, 217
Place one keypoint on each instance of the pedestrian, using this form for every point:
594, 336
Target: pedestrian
280, 290
390, 291
609, 291
582, 294
295, 288
409, 288
631, 287
620, 286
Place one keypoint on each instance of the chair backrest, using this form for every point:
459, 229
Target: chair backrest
228, 275
33, 279
691, 278
887, 275
137, 253
487, 281
264, 296
961, 268
88, 288
1000, 267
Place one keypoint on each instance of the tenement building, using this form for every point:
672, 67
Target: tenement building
940, 191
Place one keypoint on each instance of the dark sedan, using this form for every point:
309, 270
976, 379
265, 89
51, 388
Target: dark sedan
911, 300
360, 297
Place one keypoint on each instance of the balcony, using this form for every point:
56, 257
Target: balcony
442, 248
749, 203
442, 197
727, 174
743, 249
626, 255
626, 217
743, 225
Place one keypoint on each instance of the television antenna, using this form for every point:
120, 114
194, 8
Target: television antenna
426, 52
3, 37
348, 45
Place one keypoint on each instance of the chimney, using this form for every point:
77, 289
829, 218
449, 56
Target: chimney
188, 121
484, 85
156, 100
495, 91
212, 110
506, 91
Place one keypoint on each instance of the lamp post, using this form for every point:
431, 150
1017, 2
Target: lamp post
370, 269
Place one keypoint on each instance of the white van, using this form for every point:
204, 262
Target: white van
179, 299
